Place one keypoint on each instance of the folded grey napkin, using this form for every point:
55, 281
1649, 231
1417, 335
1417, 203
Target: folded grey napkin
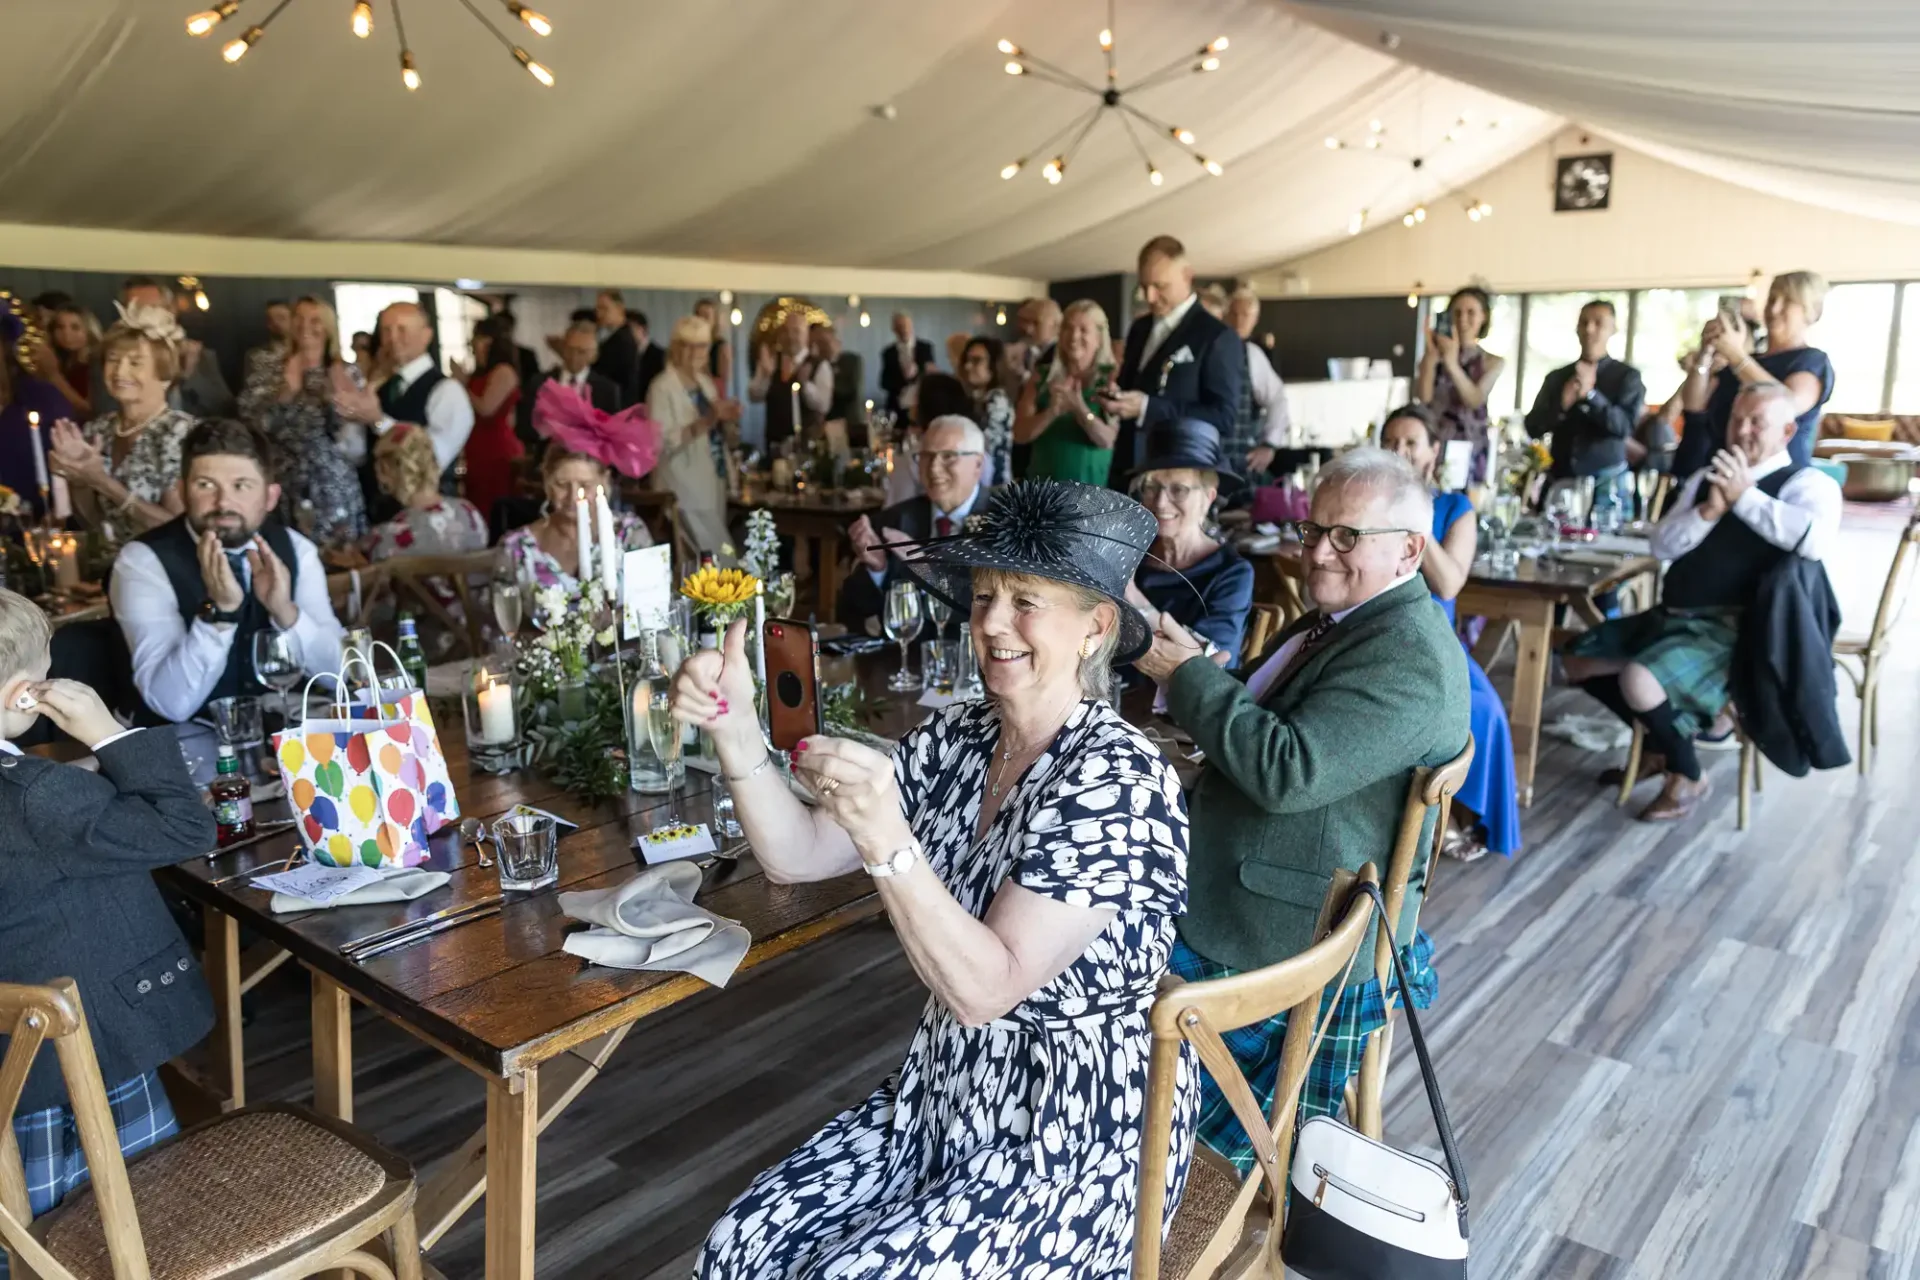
650, 922
398, 886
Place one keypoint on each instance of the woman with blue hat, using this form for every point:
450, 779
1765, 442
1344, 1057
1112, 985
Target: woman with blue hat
1191, 575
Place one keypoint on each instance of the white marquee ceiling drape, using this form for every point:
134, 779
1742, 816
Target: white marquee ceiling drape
1815, 102
739, 129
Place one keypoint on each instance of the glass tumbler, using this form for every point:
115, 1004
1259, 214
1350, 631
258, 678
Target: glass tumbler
528, 845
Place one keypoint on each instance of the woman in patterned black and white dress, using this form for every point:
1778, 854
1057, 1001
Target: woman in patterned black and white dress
1031, 852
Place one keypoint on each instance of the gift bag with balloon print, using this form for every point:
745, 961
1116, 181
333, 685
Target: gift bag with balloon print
394, 700
359, 785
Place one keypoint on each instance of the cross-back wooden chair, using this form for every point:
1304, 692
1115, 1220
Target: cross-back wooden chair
357, 593
415, 578
1264, 622
1662, 490
1213, 1213
1431, 790
660, 509
264, 1193
1751, 780
1870, 650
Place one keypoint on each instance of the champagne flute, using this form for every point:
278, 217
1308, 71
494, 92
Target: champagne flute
663, 731
903, 624
939, 613
508, 604
275, 664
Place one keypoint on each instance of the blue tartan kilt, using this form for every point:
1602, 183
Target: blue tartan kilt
50, 1140
1256, 1047
1690, 654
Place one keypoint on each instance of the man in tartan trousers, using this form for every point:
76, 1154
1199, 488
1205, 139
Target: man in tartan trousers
1307, 768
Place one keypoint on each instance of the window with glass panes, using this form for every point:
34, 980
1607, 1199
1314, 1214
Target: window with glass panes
1853, 330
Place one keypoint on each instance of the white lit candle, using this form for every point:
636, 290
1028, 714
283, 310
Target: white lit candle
609, 551
39, 454
66, 569
583, 536
496, 710
760, 631
796, 409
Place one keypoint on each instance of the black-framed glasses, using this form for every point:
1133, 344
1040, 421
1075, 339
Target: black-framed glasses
1343, 536
950, 457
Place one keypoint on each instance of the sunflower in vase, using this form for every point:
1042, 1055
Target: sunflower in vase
720, 595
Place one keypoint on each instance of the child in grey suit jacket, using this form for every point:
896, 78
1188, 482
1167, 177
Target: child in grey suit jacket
77, 900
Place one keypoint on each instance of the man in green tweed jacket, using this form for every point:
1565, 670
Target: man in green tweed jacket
1308, 764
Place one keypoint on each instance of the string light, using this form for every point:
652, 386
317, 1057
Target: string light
202, 23
866, 321
409, 73
853, 299
1182, 136
1055, 170
1211, 166
1413, 296
734, 317
1106, 39
1334, 144
1000, 316
726, 298
1154, 176
1015, 69
1010, 170
536, 22
1009, 47
363, 19
1417, 214
1357, 223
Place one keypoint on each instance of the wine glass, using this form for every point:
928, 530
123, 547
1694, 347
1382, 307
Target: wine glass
508, 604
276, 664
663, 731
903, 624
939, 613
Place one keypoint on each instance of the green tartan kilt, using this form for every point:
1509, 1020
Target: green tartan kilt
1690, 654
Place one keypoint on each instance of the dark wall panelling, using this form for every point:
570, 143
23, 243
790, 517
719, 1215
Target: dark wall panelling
1307, 332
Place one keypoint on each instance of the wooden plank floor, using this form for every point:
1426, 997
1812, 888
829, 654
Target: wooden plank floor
1669, 1053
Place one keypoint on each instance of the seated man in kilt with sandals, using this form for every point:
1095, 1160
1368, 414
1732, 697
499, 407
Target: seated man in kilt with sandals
1671, 669
1307, 769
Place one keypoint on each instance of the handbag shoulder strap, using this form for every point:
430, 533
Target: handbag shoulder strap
1455, 1169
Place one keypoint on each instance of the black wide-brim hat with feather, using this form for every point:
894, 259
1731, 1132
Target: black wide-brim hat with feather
1189, 444
1073, 533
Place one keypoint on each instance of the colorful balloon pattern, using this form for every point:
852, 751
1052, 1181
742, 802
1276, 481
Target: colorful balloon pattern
368, 795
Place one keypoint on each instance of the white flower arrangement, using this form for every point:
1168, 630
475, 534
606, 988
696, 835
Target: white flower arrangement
763, 545
571, 630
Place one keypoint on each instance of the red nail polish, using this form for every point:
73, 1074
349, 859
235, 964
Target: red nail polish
798, 747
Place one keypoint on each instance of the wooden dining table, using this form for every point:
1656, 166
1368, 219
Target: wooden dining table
498, 995
1526, 602
817, 523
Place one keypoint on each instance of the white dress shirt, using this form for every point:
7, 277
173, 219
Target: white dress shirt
1163, 327
1261, 681
1270, 395
1804, 519
958, 516
176, 664
577, 381
8, 749
449, 411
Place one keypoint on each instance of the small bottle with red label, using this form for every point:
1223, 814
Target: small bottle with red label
232, 797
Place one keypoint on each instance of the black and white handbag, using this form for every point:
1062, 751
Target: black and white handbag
1361, 1210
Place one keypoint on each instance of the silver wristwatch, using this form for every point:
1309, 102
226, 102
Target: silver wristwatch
897, 863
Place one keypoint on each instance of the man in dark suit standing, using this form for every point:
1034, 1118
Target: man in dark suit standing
1590, 408
1180, 362
579, 348
952, 457
902, 364
619, 351
649, 360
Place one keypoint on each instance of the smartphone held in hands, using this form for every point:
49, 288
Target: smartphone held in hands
793, 682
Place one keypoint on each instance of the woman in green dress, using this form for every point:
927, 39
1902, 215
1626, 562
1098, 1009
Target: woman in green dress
1059, 413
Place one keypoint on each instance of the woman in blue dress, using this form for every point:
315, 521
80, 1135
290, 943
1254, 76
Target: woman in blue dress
1198, 580
1491, 791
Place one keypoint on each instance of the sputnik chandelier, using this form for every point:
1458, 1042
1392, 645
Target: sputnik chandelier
1376, 142
1112, 97
361, 24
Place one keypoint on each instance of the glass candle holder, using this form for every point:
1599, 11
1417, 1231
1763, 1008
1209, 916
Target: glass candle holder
493, 730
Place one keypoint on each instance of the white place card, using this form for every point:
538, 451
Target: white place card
669, 844
648, 574
317, 884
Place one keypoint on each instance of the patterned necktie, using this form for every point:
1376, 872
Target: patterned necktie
1310, 643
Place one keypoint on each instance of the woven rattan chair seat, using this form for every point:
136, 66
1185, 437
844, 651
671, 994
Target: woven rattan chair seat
223, 1196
